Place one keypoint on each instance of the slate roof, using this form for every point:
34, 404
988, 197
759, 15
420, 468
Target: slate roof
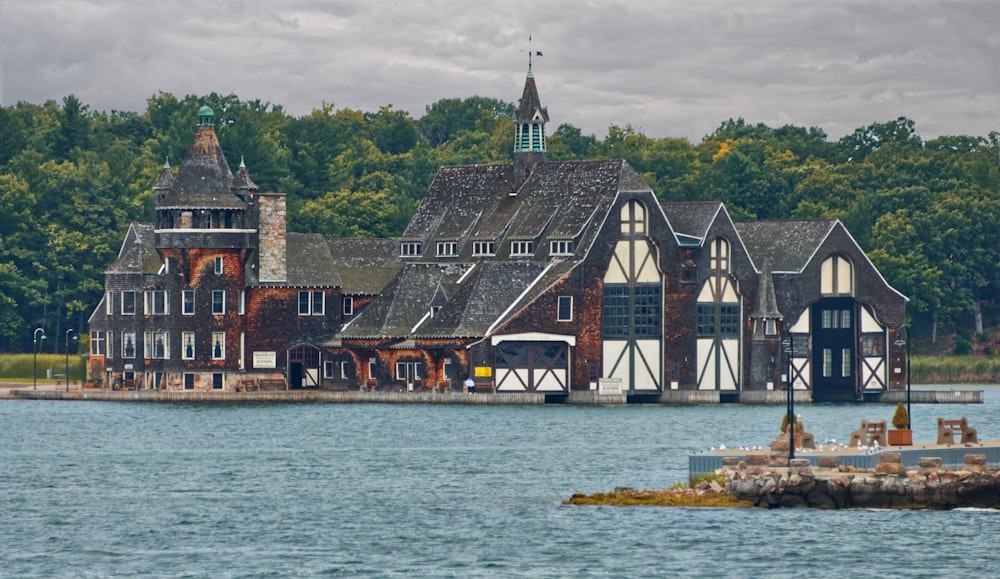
308, 261
481, 299
204, 179
691, 218
530, 102
789, 244
767, 302
403, 303
138, 253
560, 200
365, 266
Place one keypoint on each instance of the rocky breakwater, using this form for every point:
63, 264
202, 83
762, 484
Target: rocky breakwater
773, 481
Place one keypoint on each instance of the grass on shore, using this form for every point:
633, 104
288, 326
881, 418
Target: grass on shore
19, 367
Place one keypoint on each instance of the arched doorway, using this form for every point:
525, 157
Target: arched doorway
303, 366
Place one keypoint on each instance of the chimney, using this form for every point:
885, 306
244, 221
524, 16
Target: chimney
271, 237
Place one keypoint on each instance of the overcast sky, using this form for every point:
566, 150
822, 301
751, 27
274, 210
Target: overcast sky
669, 68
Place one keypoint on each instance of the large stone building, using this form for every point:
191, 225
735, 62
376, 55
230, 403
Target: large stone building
530, 276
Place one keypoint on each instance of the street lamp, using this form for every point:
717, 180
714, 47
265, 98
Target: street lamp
904, 340
68, 332
34, 367
789, 345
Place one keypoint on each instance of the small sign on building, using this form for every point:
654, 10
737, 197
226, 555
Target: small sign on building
484, 371
265, 360
609, 386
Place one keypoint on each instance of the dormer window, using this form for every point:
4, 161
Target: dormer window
410, 249
522, 248
561, 247
481, 248
447, 249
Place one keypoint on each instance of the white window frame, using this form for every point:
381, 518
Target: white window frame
150, 304
132, 293
343, 369
187, 338
96, 343
184, 302
221, 303
401, 371
446, 369
242, 305
484, 248
447, 248
410, 249
522, 248
110, 344
309, 305
109, 306
125, 338
220, 265
561, 247
372, 366
559, 308
149, 345
219, 343
348, 305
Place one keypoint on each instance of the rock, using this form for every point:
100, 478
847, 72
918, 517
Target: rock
891, 468
829, 462
975, 462
928, 465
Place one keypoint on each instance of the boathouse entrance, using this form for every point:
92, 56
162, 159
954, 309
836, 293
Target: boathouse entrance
303, 366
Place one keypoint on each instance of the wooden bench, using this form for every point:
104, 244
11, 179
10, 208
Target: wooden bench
271, 384
947, 429
869, 434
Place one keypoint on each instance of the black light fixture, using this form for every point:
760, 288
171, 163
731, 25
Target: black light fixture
34, 349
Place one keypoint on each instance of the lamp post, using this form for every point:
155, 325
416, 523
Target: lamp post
68, 332
790, 402
34, 366
904, 340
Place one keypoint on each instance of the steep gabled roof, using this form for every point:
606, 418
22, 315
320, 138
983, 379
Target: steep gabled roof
204, 179
692, 218
365, 266
138, 253
308, 261
458, 198
789, 244
530, 102
403, 303
482, 298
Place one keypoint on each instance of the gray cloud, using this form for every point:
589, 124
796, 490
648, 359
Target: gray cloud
666, 67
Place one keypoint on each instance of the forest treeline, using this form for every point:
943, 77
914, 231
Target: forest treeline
72, 180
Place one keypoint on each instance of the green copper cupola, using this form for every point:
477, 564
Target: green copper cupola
206, 117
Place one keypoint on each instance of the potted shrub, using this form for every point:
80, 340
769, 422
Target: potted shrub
901, 435
798, 431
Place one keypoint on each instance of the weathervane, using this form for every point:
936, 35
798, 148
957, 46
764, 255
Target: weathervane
530, 52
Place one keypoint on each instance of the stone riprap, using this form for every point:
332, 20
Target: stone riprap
759, 480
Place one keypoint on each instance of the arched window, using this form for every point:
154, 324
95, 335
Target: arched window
633, 218
837, 277
719, 256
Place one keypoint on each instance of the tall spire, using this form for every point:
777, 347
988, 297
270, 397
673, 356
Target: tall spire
529, 120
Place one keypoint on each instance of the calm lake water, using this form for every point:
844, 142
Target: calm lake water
123, 490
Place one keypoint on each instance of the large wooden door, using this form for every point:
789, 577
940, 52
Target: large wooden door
834, 350
532, 366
